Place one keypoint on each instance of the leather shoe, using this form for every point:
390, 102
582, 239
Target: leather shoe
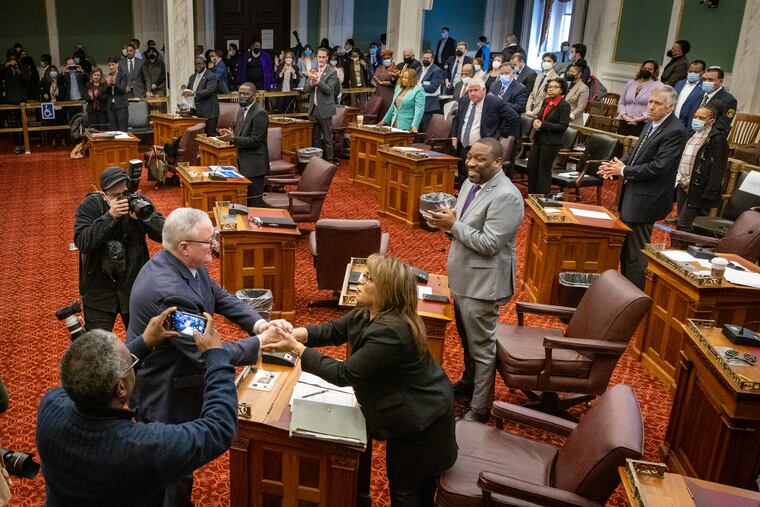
462, 388
477, 415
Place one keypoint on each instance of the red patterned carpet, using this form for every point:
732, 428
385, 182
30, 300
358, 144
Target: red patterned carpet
39, 274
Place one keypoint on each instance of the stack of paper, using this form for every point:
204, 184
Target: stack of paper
745, 278
601, 215
317, 389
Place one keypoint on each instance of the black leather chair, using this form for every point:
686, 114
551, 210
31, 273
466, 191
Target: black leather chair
739, 202
599, 148
521, 161
305, 202
741, 238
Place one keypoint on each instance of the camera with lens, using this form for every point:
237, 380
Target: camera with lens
139, 205
20, 464
74, 323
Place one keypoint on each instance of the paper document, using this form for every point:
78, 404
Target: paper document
421, 291
745, 278
589, 214
322, 395
572, 174
552, 210
751, 183
394, 129
264, 380
122, 135
325, 421
678, 255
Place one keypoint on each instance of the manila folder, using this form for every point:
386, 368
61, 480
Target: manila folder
325, 421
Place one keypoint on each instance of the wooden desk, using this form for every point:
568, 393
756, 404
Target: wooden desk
296, 132
364, 143
268, 467
167, 126
404, 177
216, 152
676, 298
254, 257
105, 152
200, 192
714, 428
436, 316
676, 490
586, 245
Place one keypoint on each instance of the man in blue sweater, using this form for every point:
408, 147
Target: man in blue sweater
92, 451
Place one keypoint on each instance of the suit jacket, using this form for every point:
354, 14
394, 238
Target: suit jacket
138, 79
538, 93
497, 119
400, 391
410, 113
554, 125
647, 194
416, 65
81, 80
710, 165
431, 82
508, 51
206, 102
577, 97
675, 70
326, 89
516, 95
251, 141
482, 257
692, 102
449, 67
169, 384
729, 109
527, 78
116, 94
449, 49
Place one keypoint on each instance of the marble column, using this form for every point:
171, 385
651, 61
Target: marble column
324, 22
148, 22
340, 25
405, 24
52, 26
578, 22
204, 23
179, 46
299, 20
746, 73
498, 22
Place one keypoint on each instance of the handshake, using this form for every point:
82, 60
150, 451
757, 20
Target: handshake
280, 336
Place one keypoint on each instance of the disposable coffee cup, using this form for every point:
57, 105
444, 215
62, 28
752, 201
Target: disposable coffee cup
360, 119
718, 267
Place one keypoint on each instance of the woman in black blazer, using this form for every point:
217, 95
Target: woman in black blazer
287, 77
404, 394
97, 116
551, 123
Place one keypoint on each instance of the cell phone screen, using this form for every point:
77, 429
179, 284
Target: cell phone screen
186, 323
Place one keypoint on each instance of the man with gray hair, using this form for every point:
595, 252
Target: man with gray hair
94, 454
648, 176
170, 382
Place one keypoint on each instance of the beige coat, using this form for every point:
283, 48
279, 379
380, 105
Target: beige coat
537, 96
577, 97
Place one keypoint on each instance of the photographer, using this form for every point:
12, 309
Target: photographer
111, 241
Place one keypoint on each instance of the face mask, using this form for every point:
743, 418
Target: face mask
256, 51
333, 62
692, 77
460, 52
480, 44
373, 51
466, 79
152, 58
570, 77
386, 62
77, 59
289, 61
697, 125
43, 64
307, 52
244, 102
444, 35
347, 47
53, 75
669, 53
645, 74
516, 68
124, 52
408, 60
505, 79
355, 58
708, 86
426, 63
496, 64
565, 49
547, 66
477, 68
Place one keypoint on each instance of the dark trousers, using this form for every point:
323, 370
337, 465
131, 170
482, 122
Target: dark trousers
100, 319
211, 126
633, 262
540, 160
179, 493
425, 120
256, 190
322, 133
118, 119
462, 152
421, 494
686, 214
98, 120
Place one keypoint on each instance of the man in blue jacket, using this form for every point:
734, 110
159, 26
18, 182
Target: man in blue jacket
431, 79
509, 90
92, 451
712, 86
690, 92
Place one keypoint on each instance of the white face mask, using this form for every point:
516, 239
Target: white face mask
477, 68
547, 66
288, 61
496, 64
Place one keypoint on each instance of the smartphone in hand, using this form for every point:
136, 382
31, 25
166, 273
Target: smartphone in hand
185, 323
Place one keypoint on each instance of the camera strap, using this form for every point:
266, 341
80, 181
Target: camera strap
5, 483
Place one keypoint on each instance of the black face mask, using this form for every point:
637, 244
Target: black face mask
670, 53
645, 74
460, 52
408, 60
570, 77
426, 63
152, 58
256, 52
244, 102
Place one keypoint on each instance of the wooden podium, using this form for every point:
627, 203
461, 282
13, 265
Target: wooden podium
714, 428
365, 141
296, 132
257, 257
676, 298
215, 152
268, 467
200, 192
436, 316
167, 126
405, 175
563, 241
108, 151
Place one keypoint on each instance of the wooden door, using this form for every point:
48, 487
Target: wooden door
242, 20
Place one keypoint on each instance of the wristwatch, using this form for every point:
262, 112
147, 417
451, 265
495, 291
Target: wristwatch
298, 350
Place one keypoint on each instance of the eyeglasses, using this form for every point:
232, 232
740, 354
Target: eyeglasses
213, 240
135, 360
737, 356
554, 86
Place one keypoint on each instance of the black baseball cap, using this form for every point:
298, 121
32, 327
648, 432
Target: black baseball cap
111, 176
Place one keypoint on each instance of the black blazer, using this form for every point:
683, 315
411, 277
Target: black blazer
206, 103
449, 67
116, 93
251, 141
647, 194
527, 77
497, 119
449, 49
555, 123
707, 174
400, 391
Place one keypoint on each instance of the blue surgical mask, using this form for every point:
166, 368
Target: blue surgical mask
505, 79
697, 125
373, 51
692, 77
53, 74
307, 52
708, 86
386, 62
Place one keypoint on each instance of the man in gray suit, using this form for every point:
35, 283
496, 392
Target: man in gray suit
137, 77
322, 86
250, 137
481, 265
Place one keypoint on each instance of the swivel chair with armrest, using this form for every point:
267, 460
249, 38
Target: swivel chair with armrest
738, 202
599, 148
280, 160
741, 238
437, 136
371, 110
305, 202
542, 362
521, 160
339, 124
495, 467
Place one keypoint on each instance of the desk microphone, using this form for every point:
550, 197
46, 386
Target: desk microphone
740, 335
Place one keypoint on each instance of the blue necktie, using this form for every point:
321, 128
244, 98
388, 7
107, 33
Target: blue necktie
470, 197
468, 127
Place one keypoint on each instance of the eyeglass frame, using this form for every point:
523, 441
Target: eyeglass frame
135, 360
210, 242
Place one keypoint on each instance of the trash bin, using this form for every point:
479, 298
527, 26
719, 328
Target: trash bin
260, 300
305, 154
572, 286
433, 201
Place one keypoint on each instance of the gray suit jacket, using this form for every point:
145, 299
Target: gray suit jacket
482, 255
326, 89
251, 141
137, 79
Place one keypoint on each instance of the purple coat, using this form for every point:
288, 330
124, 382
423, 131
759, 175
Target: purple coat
636, 105
266, 63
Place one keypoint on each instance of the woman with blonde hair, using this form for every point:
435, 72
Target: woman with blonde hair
404, 394
408, 103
